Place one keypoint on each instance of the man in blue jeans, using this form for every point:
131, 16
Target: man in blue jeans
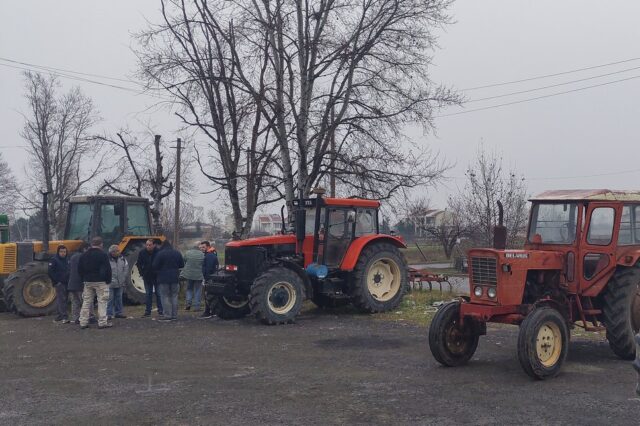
167, 264
145, 267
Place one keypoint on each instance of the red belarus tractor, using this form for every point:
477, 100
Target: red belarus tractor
334, 254
580, 266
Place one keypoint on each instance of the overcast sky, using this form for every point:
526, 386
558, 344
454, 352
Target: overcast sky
583, 139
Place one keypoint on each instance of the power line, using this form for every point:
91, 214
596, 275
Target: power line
68, 71
552, 85
549, 75
537, 97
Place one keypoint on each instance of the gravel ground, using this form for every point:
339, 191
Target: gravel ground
325, 369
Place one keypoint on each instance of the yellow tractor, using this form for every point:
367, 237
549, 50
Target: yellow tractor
124, 221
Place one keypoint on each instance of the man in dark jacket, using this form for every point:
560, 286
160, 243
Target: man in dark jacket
167, 265
76, 286
95, 271
145, 267
59, 274
209, 267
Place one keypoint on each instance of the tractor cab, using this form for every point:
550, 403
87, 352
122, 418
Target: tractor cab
107, 216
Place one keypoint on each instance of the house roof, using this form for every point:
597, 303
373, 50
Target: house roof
587, 195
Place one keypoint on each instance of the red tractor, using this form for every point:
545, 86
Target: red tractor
334, 254
579, 267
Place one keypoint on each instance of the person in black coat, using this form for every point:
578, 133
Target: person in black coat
145, 267
167, 265
95, 270
209, 267
59, 273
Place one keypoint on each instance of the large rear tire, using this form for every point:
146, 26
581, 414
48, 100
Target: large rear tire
450, 344
134, 292
276, 296
230, 309
621, 311
543, 343
379, 279
29, 292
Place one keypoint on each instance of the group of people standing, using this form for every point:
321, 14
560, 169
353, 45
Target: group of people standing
91, 274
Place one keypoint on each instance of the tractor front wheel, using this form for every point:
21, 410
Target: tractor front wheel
227, 308
29, 291
379, 279
276, 296
451, 344
543, 343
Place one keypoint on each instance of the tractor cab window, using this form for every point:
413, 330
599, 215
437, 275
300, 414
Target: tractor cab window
79, 226
310, 221
111, 221
629, 226
137, 219
601, 226
366, 222
554, 223
338, 235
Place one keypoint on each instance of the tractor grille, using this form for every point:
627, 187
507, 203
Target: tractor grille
8, 253
483, 270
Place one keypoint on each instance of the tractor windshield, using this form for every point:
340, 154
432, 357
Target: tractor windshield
79, 222
553, 223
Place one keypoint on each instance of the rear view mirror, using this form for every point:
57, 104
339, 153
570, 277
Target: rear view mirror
351, 216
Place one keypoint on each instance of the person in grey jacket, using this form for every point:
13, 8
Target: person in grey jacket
119, 278
192, 272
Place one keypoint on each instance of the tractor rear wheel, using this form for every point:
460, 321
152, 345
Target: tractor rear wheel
543, 343
621, 311
379, 279
134, 292
276, 296
227, 309
450, 344
29, 291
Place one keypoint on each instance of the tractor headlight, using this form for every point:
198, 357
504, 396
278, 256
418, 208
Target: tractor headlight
491, 293
477, 291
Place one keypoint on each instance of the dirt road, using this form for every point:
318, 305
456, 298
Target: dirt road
326, 369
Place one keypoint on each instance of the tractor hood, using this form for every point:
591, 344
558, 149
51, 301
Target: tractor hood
522, 259
263, 241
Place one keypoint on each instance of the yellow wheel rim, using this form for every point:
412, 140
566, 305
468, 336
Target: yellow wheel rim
282, 297
38, 292
549, 344
136, 279
237, 304
383, 279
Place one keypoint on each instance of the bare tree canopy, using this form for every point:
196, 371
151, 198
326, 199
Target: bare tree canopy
288, 92
9, 190
140, 172
476, 204
63, 155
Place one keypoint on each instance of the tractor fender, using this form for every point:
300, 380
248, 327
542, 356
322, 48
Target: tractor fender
134, 241
301, 272
353, 253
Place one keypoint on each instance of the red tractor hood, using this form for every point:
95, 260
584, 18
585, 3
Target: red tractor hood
263, 241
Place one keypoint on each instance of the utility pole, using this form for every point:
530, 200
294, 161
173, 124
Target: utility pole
332, 171
176, 219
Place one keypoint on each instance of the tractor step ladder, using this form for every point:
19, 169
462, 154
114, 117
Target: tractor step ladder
588, 311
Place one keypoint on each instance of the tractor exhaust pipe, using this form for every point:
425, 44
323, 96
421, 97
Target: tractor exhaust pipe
500, 231
300, 217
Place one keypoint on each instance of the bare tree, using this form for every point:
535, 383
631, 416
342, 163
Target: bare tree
476, 205
190, 55
9, 190
448, 232
189, 213
63, 155
304, 90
